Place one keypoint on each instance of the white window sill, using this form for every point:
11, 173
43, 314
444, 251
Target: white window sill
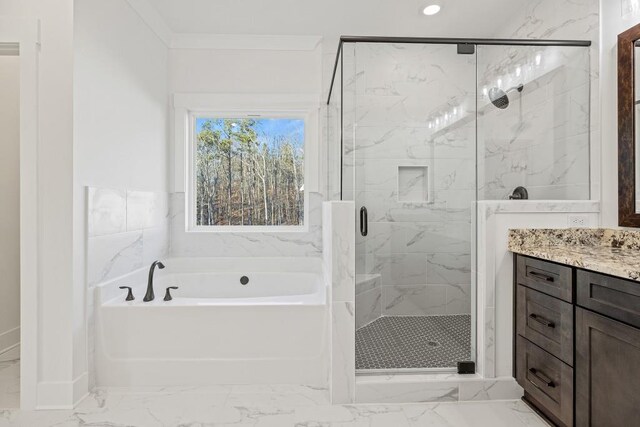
249, 229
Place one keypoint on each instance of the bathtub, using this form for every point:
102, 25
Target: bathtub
273, 330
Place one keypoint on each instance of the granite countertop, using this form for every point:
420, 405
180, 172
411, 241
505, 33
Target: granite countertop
610, 251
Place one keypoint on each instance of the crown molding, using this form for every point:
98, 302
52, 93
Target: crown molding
246, 101
154, 20
243, 42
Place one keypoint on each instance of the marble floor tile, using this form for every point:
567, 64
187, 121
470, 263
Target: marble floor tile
263, 406
351, 415
277, 395
473, 414
10, 383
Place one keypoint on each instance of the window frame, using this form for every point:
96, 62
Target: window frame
305, 106
190, 168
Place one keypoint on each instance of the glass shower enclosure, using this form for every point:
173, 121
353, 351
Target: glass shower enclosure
418, 131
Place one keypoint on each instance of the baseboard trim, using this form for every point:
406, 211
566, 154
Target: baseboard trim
80, 388
55, 395
62, 394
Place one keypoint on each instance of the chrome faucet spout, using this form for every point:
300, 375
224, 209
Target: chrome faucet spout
150, 296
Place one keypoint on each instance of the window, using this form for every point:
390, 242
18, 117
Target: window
247, 171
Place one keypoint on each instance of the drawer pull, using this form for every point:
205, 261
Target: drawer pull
542, 320
541, 276
540, 376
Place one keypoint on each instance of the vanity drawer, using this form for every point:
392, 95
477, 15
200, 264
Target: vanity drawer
546, 321
547, 381
546, 277
611, 296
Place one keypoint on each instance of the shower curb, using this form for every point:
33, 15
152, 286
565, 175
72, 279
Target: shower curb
441, 387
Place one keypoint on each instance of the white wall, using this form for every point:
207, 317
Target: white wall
121, 100
254, 72
10, 206
121, 128
244, 71
612, 23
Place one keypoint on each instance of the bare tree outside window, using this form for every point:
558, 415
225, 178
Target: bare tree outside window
249, 171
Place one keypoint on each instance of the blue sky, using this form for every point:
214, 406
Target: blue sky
291, 128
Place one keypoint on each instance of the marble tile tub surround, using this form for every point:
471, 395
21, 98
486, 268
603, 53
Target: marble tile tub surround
419, 245
265, 406
245, 244
127, 229
611, 251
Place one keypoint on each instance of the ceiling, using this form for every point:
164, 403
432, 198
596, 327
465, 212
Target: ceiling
459, 18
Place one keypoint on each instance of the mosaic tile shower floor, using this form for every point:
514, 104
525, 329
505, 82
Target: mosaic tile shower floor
414, 342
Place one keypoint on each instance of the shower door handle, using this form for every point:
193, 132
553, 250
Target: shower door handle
364, 221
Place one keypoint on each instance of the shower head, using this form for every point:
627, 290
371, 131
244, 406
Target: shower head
500, 98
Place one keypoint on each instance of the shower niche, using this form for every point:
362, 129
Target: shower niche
413, 184
418, 133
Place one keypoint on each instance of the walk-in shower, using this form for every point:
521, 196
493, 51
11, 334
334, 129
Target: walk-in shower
418, 131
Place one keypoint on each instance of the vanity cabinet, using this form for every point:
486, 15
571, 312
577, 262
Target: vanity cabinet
577, 344
607, 371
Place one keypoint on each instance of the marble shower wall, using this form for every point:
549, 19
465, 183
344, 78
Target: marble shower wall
541, 140
338, 265
332, 134
569, 20
348, 99
126, 230
368, 299
409, 130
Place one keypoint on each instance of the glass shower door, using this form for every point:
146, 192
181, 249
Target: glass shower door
409, 153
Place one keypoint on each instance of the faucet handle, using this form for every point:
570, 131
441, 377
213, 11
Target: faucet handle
519, 193
129, 294
167, 295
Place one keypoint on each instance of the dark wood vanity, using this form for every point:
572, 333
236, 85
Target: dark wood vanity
577, 343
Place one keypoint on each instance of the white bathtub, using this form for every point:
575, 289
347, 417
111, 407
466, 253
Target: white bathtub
216, 330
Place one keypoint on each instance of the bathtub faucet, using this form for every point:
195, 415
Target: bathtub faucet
149, 296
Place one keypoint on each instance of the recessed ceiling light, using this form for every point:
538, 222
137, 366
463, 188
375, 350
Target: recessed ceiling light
432, 9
